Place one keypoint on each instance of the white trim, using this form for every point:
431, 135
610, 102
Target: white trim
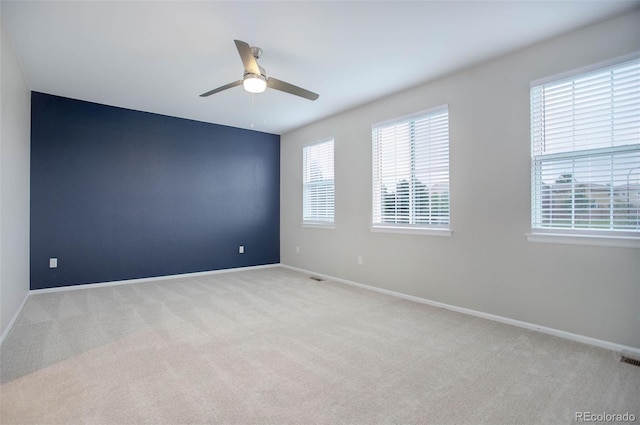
588, 240
412, 230
311, 222
576, 158
149, 279
525, 325
410, 161
586, 153
318, 225
585, 69
123, 282
13, 319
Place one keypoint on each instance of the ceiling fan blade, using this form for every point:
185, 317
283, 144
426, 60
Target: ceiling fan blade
219, 89
248, 60
290, 88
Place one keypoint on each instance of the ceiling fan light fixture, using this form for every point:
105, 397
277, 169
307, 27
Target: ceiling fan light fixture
254, 83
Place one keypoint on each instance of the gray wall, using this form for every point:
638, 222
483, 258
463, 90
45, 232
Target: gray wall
487, 265
14, 185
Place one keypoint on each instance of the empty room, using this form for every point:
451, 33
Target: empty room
320, 212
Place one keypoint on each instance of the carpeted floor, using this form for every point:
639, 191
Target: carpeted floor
272, 346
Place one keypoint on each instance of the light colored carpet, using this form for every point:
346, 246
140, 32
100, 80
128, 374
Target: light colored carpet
271, 346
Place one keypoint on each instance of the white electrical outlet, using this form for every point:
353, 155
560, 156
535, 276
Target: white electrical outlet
241, 249
359, 260
297, 250
53, 263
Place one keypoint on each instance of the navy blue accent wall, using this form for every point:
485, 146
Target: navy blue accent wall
119, 194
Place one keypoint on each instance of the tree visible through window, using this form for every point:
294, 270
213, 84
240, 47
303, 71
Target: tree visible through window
411, 171
585, 144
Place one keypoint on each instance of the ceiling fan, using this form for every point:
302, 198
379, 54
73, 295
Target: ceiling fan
255, 78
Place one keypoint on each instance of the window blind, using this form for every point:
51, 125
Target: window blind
318, 183
585, 147
411, 171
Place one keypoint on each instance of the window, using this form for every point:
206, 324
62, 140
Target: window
411, 172
318, 184
585, 148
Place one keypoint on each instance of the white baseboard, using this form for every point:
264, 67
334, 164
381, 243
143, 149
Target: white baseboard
123, 282
13, 319
543, 329
149, 279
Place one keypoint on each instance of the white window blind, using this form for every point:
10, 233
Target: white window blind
411, 171
585, 139
318, 183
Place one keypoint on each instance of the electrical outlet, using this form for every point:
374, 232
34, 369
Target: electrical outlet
241, 249
297, 250
53, 263
359, 260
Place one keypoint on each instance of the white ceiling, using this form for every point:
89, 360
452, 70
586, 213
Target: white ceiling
158, 56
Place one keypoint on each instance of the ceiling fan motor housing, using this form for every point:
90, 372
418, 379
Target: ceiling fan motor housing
257, 52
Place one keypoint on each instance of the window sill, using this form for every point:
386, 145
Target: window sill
412, 231
590, 240
319, 225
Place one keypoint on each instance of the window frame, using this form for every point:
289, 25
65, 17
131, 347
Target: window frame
317, 223
428, 229
565, 235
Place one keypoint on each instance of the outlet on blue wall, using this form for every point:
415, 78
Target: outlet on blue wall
119, 194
